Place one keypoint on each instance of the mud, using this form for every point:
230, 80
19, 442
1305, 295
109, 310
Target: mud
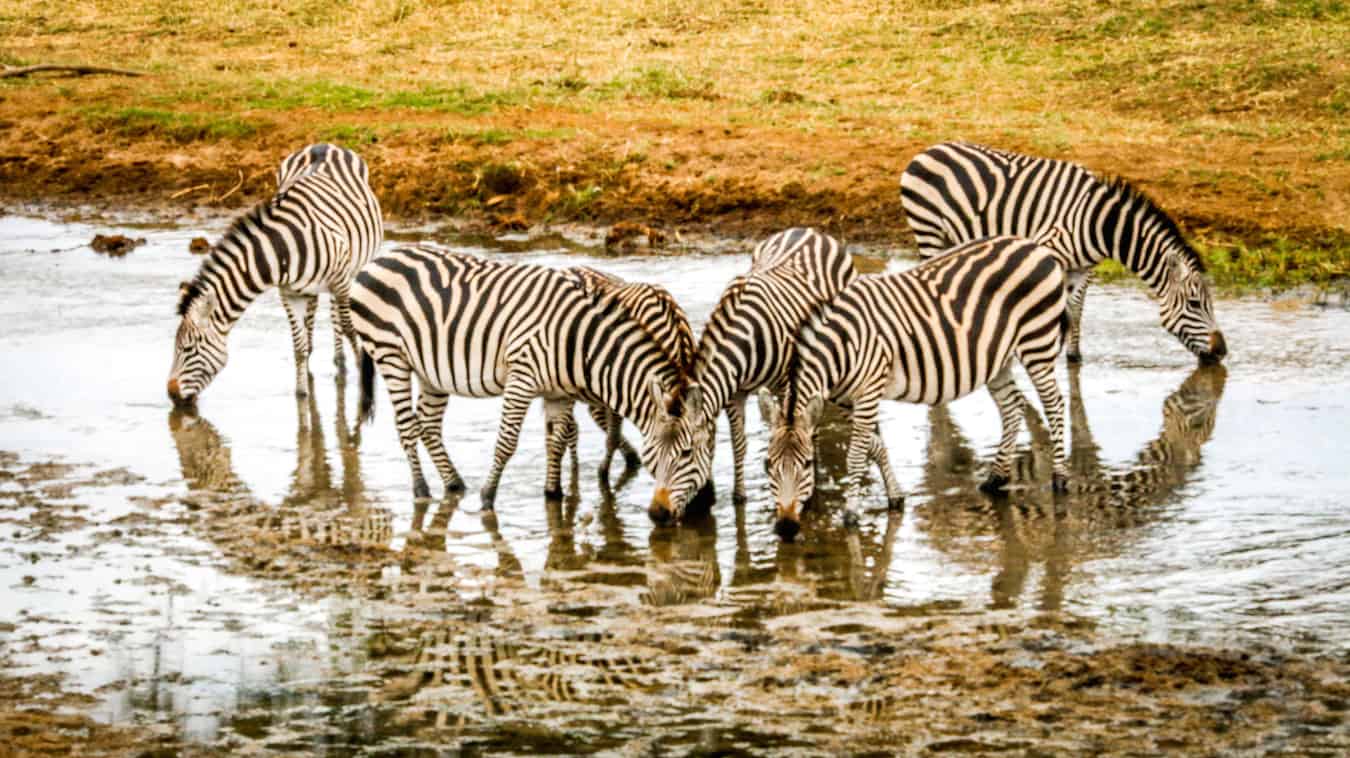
256, 579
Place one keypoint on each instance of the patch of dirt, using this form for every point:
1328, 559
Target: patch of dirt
744, 181
115, 245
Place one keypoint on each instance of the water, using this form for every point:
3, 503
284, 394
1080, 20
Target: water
251, 576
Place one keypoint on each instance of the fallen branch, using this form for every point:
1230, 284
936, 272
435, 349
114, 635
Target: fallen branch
235, 188
182, 192
13, 71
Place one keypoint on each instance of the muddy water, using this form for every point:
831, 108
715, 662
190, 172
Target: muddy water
250, 576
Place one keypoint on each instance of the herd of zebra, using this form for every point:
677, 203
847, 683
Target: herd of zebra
1009, 243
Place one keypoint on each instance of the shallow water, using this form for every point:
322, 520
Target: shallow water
250, 575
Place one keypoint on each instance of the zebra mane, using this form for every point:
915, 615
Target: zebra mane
723, 312
195, 288
598, 283
1137, 200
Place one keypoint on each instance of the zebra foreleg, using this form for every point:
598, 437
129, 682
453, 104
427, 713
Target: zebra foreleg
339, 359
1078, 286
561, 434
398, 378
342, 317
862, 440
736, 420
1009, 400
431, 423
516, 401
300, 313
895, 499
1042, 375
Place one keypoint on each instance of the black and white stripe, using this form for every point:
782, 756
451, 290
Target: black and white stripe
955, 192
745, 345
476, 327
928, 335
320, 228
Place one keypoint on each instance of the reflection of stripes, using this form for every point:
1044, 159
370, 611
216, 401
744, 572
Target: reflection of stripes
956, 192
682, 582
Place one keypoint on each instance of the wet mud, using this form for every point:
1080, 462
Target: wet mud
256, 578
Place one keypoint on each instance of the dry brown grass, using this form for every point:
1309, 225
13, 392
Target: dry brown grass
1234, 113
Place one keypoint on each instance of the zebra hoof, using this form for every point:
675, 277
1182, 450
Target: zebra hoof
1059, 483
602, 474
738, 499
553, 495
489, 497
851, 521
896, 503
632, 460
1073, 356
421, 491
787, 529
996, 484
454, 488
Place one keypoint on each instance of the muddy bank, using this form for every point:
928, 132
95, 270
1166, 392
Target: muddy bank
603, 656
743, 181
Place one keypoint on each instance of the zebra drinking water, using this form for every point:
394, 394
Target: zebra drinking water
955, 192
477, 327
313, 235
931, 334
744, 346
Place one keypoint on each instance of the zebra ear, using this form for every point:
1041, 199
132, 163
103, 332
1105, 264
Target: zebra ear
811, 414
658, 394
768, 408
200, 309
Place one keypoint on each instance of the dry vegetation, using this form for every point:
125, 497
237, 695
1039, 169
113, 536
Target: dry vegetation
739, 114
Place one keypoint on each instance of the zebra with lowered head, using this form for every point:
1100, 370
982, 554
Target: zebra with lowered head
477, 327
312, 236
931, 334
955, 192
744, 346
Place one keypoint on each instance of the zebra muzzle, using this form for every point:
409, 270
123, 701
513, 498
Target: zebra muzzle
789, 523
176, 395
1218, 348
660, 510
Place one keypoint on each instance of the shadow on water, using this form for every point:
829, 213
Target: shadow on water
1107, 509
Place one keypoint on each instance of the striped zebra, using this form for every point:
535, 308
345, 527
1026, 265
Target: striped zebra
319, 229
656, 311
931, 334
477, 327
744, 346
955, 192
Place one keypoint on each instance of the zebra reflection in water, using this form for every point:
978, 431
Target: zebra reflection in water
1108, 508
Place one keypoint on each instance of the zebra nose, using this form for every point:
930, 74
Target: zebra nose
1217, 345
659, 510
787, 529
173, 390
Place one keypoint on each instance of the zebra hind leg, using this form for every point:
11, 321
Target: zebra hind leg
398, 378
736, 420
561, 435
339, 357
300, 310
430, 421
895, 499
1009, 401
516, 399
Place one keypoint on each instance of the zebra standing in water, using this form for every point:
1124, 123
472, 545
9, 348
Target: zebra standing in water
663, 318
931, 334
955, 192
744, 346
477, 327
319, 229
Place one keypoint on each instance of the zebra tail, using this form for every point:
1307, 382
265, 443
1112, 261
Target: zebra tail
366, 406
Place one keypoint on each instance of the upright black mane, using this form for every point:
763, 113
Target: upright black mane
1137, 200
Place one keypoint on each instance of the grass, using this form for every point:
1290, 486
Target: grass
1232, 112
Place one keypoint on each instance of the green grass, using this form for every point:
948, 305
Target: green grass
1270, 262
171, 125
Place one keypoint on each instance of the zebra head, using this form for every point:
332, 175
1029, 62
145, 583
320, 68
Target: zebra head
1187, 311
791, 462
678, 450
199, 349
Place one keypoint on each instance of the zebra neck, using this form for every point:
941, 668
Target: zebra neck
720, 375
232, 276
808, 379
1118, 223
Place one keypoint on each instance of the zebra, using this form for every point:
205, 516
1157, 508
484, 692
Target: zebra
659, 313
477, 327
744, 346
928, 335
955, 192
312, 236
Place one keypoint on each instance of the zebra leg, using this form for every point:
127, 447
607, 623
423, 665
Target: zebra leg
342, 314
300, 314
339, 359
430, 420
1078, 286
736, 420
1009, 400
397, 376
1042, 375
560, 430
516, 399
895, 499
861, 440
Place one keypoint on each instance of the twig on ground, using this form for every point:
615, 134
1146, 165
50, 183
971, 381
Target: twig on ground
14, 71
182, 192
235, 188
